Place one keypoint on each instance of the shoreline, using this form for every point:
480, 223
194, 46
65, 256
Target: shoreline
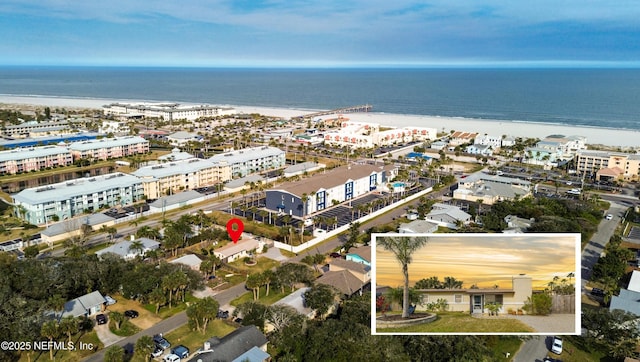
611, 137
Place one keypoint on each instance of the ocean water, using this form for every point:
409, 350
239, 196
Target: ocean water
589, 97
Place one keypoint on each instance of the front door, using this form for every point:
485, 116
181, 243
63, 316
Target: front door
477, 303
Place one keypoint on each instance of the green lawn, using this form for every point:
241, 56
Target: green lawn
501, 345
457, 322
177, 306
126, 328
263, 264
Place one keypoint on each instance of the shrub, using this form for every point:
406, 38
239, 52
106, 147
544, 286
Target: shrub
538, 304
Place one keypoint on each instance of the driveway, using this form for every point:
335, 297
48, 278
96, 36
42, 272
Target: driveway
105, 335
551, 324
533, 350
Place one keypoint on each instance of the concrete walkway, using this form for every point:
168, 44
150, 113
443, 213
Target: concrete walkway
105, 335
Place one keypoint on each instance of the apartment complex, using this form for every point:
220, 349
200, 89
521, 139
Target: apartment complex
176, 176
107, 148
323, 190
33, 159
166, 111
250, 160
64, 200
33, 129
608, 165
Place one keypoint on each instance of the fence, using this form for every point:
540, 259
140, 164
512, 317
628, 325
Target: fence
563, 303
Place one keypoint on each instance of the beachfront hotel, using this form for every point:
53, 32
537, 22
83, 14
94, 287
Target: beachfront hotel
20, 160
165, 111
326, 189
108, 148
187, 174
250, 160
554, 149
608, 166
64, 200
368, 135
33, 129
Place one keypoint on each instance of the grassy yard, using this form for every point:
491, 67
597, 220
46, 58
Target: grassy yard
274, 296
263, 264
456, 322
126, 328
177, 307
501, 345
71, 355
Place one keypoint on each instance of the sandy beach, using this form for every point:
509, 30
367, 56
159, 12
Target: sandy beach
602, 136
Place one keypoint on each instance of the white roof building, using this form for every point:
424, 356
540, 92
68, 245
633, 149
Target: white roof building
123, 249
166, 111
250, 160
367, 135
70, 198
181, 138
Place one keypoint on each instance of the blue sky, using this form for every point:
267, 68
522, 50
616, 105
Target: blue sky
320, 33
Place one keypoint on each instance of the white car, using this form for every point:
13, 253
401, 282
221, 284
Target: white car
171, 358
609, 217
556, 346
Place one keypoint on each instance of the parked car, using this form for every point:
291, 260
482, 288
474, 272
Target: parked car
131, 313
556, 346
335, 255
109, 300
597, 292
171, 358
223, 314
180, 351
609, 217
161, 341
157, 352
101, 319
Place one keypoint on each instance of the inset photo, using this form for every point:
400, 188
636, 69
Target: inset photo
476, 284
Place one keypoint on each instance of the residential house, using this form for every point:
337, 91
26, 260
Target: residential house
516, 225
301, 168
86, 305
418, 227
447, 215
491, 188
554, 149
124, 248
459, 138
360, 255
487, 140
344, 281
478, 149
239, 345
243, 248
73, 227
190, 260
629, 299
359, 270
476, 300
175, 201
296, 301
182, 138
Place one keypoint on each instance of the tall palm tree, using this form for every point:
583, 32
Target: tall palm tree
402, 248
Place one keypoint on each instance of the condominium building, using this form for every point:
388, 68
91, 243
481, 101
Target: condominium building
250, 160
31, 128
608, 165
324, 190
33, 159
555, 148
368, 135
107, 148
176, 176
166, 111
64, 200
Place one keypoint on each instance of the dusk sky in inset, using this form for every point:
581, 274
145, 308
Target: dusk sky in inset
314, 33
484, 260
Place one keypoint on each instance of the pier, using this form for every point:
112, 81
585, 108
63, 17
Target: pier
353, 109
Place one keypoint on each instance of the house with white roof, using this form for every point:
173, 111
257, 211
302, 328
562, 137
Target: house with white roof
86, 305
243, 248
190, 260
488, 140
127, 249
447, 215
296, 301
491, 188
478, 149
181, 138
418, 227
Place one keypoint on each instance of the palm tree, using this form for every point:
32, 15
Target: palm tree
137, 246
402, 248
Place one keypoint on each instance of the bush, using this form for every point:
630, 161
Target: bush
538, 304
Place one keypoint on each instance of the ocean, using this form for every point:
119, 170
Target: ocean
579, 97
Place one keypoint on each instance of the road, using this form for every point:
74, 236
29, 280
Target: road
169, 324
533, 349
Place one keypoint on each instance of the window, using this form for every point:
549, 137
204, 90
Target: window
457, 298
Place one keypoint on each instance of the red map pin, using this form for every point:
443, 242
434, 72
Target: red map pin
236, 233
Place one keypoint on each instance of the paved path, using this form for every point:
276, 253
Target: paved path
534, 349
104, 334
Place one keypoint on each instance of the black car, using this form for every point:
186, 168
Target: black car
223, 314
101, 319
597, 292
131, 313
